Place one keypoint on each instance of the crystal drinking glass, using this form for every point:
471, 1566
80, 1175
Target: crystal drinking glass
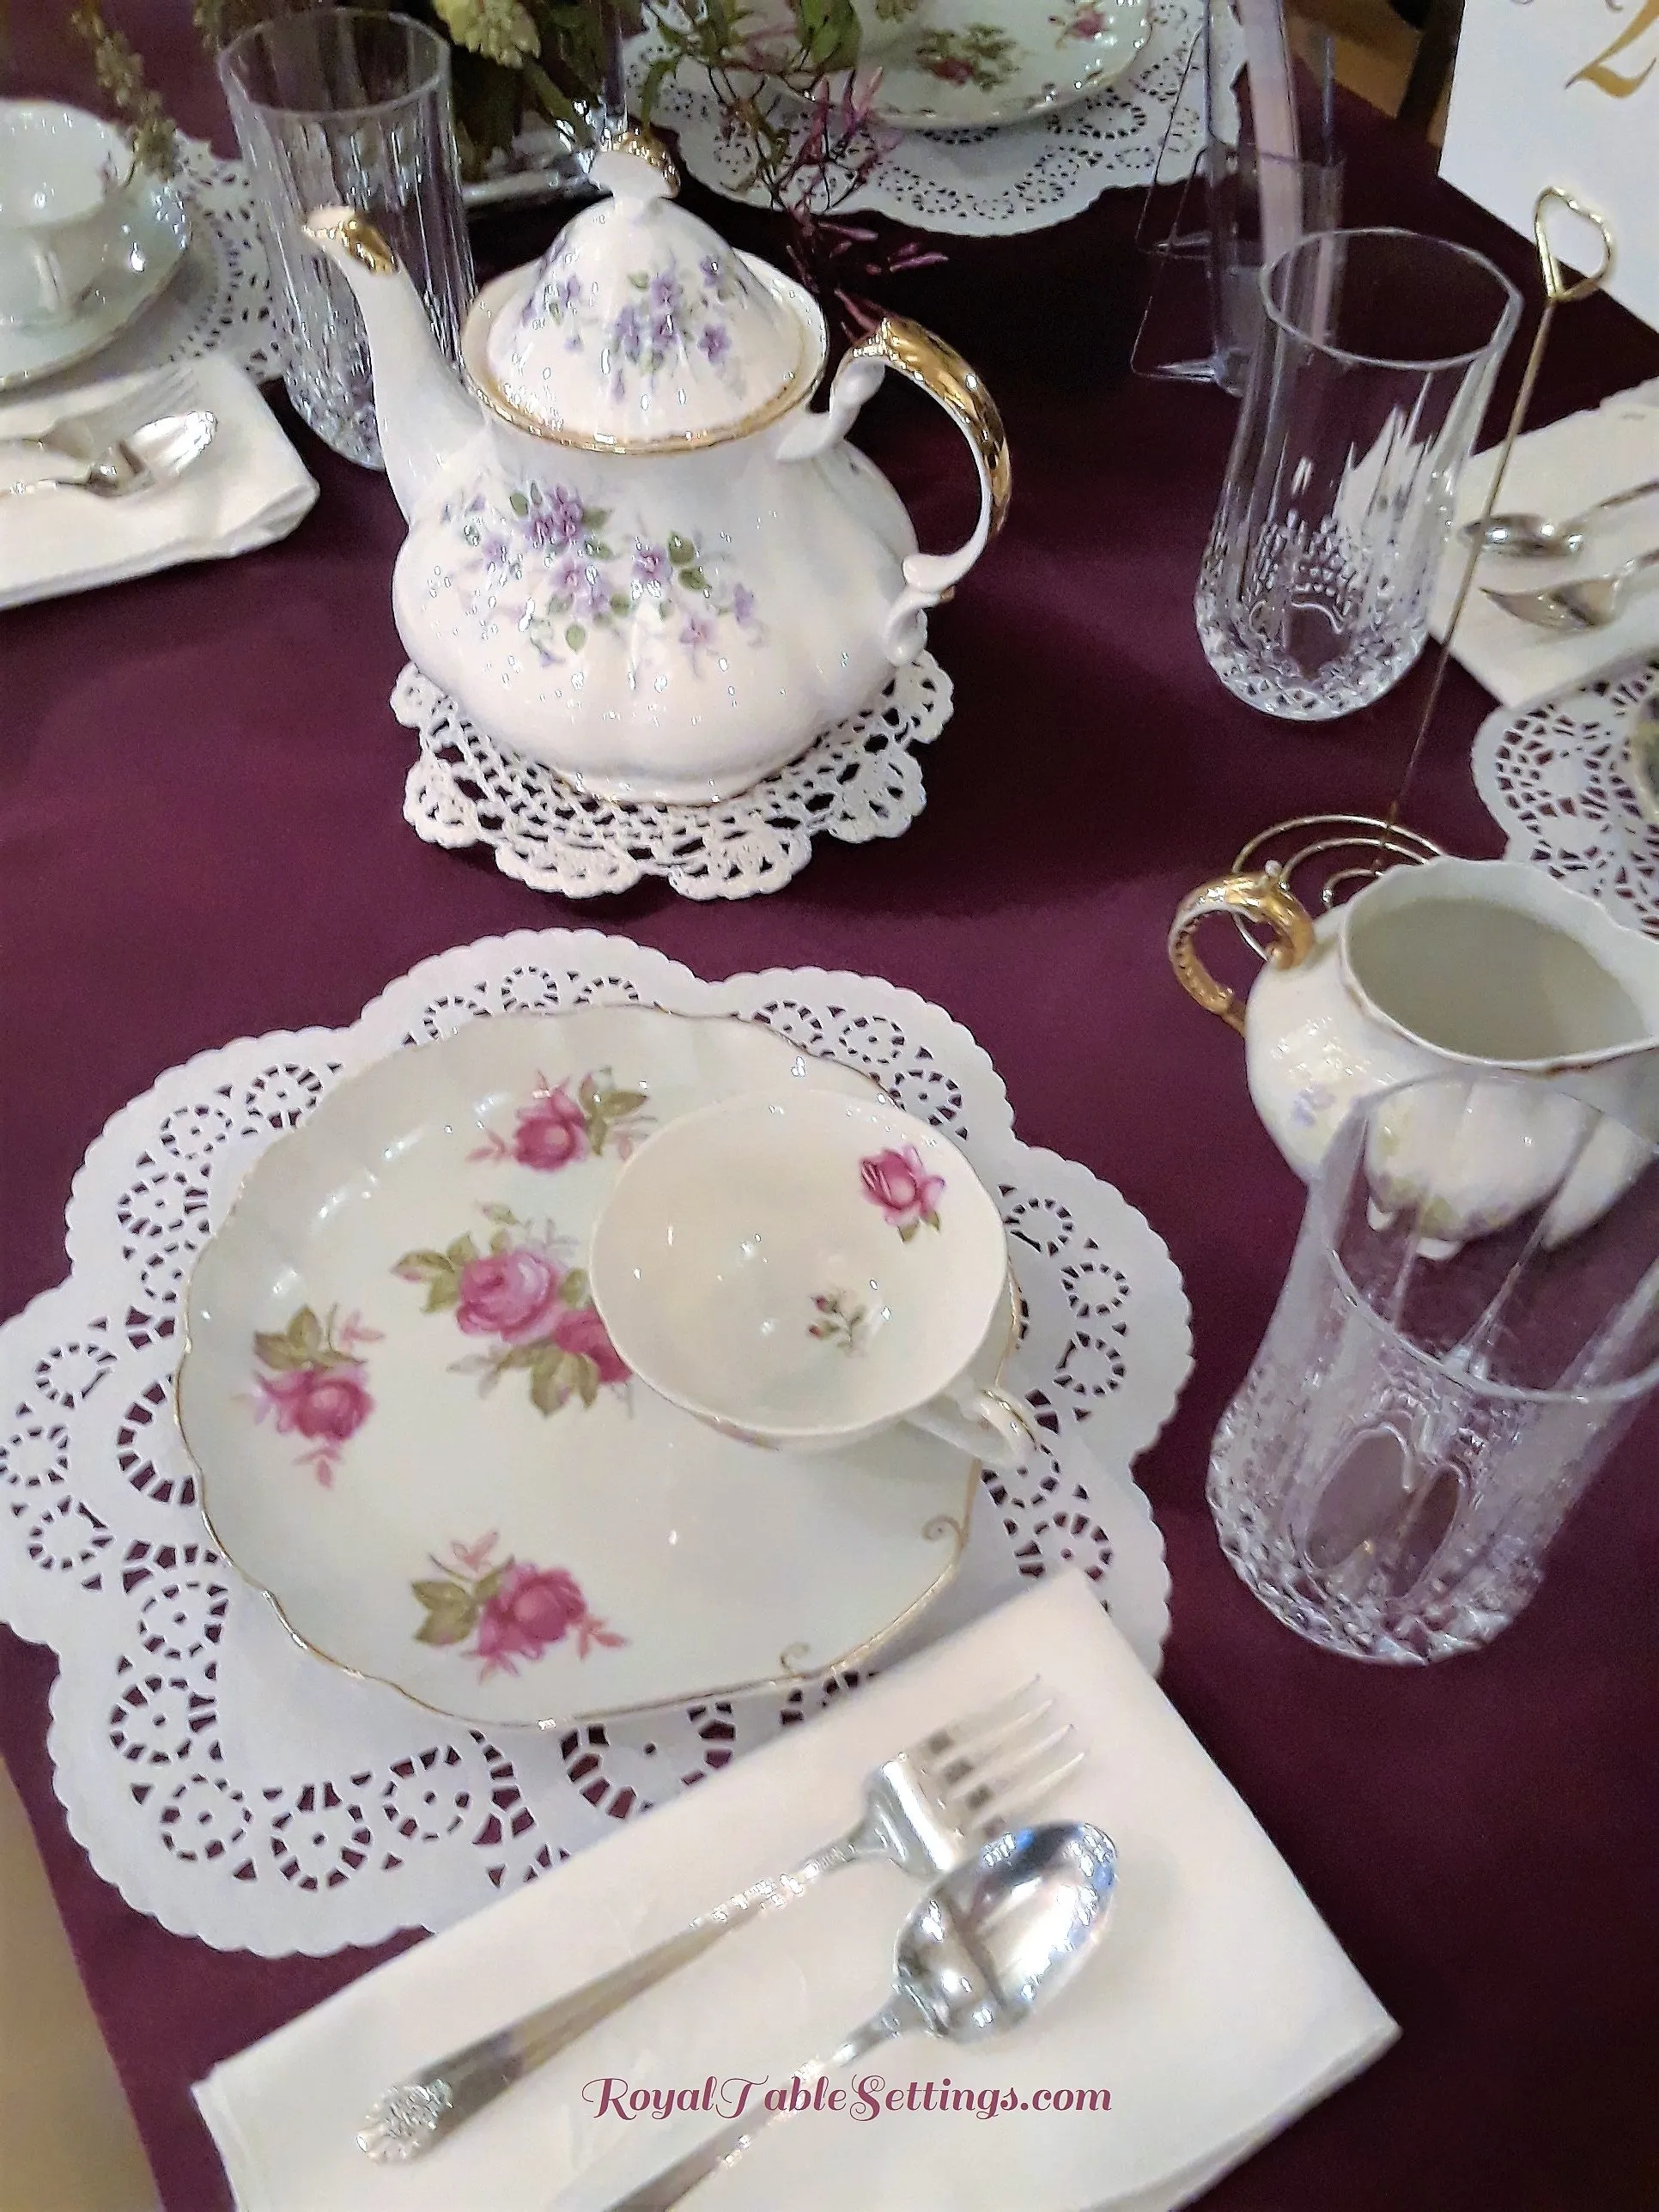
349, 107
1364, 400
1469, 1324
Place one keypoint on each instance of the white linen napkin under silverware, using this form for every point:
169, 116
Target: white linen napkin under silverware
249, 489
1558, 471
1218, 2007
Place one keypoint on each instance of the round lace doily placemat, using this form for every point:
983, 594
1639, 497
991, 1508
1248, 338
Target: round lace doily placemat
860, 780
218, 300
1554, 778
992, 182
239, 1790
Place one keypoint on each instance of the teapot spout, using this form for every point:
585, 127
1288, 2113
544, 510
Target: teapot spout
422, 413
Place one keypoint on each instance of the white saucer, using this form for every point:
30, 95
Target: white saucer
969, 64
413, 1436
154, 234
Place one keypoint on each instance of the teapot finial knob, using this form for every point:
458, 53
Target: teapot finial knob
631, 164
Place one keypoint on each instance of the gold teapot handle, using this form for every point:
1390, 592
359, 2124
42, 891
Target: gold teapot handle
1260, 898
940, 371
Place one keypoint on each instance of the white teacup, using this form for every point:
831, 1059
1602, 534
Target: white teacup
804, 1270
64, 177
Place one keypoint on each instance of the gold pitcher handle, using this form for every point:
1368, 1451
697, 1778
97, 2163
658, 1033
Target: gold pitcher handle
1260, 898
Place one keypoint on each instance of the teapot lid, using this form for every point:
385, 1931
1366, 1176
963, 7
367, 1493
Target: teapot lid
641, 327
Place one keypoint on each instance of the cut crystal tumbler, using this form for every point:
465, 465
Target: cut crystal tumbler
1470, 1322
1364, 400
349, 107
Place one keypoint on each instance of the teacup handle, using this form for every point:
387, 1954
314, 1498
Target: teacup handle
941, 372
1261, 897
991, 1425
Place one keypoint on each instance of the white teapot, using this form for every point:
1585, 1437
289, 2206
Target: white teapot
634, 553
1480, 968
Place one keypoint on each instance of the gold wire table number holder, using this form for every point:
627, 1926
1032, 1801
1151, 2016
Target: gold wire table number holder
1255, 891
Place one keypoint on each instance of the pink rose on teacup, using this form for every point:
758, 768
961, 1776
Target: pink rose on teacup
897, 1182
552, 1131
579, 1329
327, 1404
512, 1295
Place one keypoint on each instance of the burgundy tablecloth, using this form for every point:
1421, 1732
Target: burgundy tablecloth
201, 833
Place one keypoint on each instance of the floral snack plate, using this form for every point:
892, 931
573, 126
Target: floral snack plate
949, 64
415, 1436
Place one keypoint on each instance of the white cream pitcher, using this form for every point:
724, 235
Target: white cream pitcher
1489, 968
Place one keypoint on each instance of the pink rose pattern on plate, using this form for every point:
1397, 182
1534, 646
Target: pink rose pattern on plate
897, 1182
521, 1294
981, 56
553, 1129
1084, 18
513, 1610
315, 1384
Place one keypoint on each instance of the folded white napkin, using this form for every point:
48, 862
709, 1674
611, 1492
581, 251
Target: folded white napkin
1558, 471
249, 489
1218, 2008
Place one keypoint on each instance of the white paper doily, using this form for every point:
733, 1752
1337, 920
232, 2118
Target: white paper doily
859, 781
218, 300
240, 1791
1554, 779
979, 182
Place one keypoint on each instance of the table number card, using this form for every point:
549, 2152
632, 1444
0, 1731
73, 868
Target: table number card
1564, 93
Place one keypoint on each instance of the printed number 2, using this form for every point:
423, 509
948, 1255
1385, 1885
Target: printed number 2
1613, 80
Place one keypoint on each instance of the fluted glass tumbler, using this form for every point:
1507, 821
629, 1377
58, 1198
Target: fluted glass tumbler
1469, 1324
349, 107
1364, 400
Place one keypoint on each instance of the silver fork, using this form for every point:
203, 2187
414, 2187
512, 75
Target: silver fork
929, 1810
83, 437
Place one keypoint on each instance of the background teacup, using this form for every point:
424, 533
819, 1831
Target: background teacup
804, 1270
64, 178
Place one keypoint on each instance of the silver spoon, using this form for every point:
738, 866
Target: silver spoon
1642, 757
1010, 1927
1591, 603
154, 454
81, 438
1534, 537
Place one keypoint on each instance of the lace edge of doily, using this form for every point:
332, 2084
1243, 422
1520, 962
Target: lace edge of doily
727, 992
415, 697
1171, 1377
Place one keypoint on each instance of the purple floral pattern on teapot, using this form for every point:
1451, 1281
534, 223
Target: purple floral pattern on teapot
551, 566
674, 315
